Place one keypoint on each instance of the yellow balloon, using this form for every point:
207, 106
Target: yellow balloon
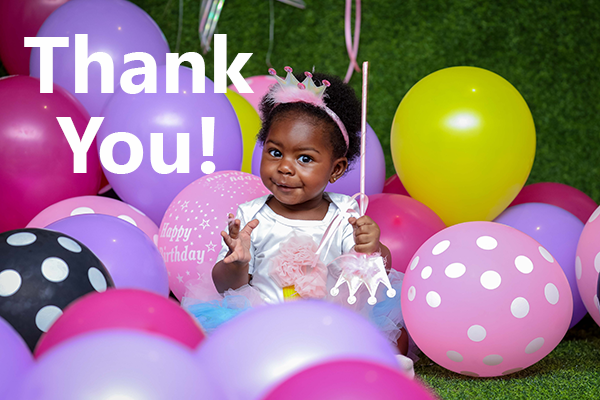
250, 124
463, 143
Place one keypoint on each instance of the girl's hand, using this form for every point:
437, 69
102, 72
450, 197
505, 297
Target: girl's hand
239, 242
366, 234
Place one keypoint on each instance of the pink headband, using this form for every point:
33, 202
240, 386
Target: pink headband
292, 91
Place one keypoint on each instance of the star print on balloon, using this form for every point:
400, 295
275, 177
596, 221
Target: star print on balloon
41, 272
190, 233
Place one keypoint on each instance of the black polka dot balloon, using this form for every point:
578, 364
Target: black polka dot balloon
41, 272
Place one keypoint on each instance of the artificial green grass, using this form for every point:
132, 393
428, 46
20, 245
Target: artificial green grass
571, 371
548, 49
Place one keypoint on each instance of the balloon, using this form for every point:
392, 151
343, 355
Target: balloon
36, 159
189, 251
42, 272
587, 265
123, 308
20, 19
117, 364
114, 27
393, 185
260, 85
249, 123
349, 380
170, 113
266, 345
558, 194
16, 358
455, 149
95, 204
558, 231
349, 184
499, 300
405, 224
129, 255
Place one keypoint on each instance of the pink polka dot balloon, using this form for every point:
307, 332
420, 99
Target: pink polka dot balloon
190, 233
587, 265
484, 299
95, 205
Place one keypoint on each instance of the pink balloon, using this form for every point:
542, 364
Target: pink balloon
349, 380
484, 299
37, 161
260, 85
123, 308
95, 205
558, 194
190, 233
587, 263
394, 185
20, 19
349, 184
405, 225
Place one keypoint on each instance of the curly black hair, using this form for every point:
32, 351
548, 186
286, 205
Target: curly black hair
339, 97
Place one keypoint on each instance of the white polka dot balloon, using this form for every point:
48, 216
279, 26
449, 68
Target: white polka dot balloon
484, 299
587, 265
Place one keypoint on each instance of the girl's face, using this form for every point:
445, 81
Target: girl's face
297, 162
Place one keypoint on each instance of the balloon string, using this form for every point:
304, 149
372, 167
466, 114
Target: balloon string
352, 47
271, 33
179, 26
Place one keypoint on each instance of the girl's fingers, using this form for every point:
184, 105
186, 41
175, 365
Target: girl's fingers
250, 227
234, 229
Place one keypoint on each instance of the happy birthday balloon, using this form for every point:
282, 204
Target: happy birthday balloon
463, 143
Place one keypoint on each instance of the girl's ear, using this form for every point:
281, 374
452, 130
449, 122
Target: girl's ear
339, 167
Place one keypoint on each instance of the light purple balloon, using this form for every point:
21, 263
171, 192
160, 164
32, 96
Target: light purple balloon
117, 364
558, 231
259, 349
115, 27
128, 254
349, 184
15, 357
144, 113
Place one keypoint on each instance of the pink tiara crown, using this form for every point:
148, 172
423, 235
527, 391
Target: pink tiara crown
291, 90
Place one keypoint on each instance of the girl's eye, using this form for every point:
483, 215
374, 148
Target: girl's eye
275, 153
305, 159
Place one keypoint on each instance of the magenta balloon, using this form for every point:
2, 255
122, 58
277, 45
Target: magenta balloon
36, 159
394, 185
405, 225
558, 194
128, 254
252, 353
15, 357
349, 380
117, 364
558, 231
115, 27
20, 19
349, 184
142, 114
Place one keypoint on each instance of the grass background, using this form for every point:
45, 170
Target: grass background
548, 49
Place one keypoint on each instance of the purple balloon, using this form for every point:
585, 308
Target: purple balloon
115, 27
128, 254
349, 184
117, 364
15, 357
558, 231
252, 353
144, 113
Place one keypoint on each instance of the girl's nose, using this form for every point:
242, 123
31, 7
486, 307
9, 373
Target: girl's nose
285, 166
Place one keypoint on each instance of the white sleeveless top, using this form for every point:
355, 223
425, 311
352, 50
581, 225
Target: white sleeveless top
273, 229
